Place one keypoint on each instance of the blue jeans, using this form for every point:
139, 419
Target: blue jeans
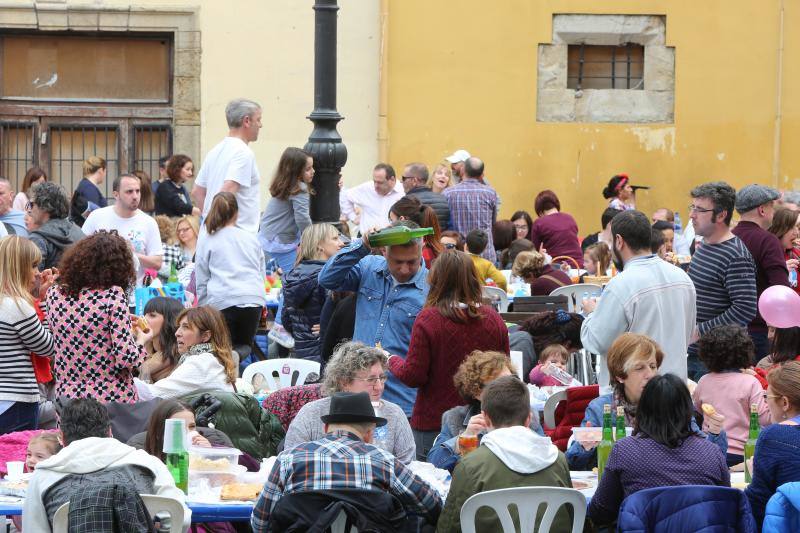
286, 261
20, 416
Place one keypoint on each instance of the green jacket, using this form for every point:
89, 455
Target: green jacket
251, 429
482, 470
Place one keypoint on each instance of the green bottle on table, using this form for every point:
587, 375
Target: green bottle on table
396, 235
750, 443
621, 433
607, 442
176, 452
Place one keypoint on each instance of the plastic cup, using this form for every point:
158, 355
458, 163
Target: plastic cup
175, 436
15, 469
467, 443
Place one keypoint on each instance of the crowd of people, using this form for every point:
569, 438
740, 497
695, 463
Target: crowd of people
413, 355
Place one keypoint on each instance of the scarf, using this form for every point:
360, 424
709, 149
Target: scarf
203, 347
617, 399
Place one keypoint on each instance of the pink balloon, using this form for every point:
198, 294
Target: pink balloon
780, 307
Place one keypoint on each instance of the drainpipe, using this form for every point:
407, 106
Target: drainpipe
383, 83
776, 149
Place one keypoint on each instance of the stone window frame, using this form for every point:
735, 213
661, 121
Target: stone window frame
654, 104
182, 22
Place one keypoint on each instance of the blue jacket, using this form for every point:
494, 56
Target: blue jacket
580, 459
783, 510
303, 299
385, 313
686, 508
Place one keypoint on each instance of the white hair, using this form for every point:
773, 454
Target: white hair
238, 109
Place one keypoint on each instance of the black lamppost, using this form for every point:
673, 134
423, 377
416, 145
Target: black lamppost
325, 144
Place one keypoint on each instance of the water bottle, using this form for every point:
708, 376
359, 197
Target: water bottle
380, 436
677, 223
585, 297
793, 277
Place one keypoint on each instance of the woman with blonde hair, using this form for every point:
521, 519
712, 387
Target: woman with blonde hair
543, 278
441, 178
234, 256
452, 324
88, 196
187, 229
633, 360
206, 357
303, 297
21, 333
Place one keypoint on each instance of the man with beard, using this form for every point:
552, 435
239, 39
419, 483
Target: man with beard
132, 224
649, 296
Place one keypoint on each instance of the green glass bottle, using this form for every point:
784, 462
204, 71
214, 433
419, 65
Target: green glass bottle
604, 448
750, 443
621, 433
176, 452
173, 273
397, 235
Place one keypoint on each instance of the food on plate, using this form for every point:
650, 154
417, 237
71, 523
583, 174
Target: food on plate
197, 462
580, 484
241, 491
708, 409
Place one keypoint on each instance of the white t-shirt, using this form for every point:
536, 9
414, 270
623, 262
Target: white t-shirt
140, 230
233, 160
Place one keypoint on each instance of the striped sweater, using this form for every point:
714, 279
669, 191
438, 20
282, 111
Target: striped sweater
20, 334
724, 278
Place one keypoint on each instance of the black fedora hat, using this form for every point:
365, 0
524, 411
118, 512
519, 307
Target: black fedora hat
351, 407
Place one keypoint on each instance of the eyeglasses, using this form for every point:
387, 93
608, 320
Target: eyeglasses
450, 246
374, 380
695, 209
522, 227
767, 396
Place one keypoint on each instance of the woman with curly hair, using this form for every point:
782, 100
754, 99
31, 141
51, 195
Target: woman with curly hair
355, 367
21, 333
726, 350
172, 198
475, 372
96, 348
543, 278
206, 357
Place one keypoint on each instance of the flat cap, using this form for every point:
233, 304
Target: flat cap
752, 196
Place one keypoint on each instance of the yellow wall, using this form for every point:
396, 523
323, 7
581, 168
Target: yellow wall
466, 78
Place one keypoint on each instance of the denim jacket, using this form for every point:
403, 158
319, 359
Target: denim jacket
385, 313
581, 459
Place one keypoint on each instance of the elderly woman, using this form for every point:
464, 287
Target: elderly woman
633, 360
543, 278
48, 210
557, 232
665, 450
356, 367
776, 460
477, 371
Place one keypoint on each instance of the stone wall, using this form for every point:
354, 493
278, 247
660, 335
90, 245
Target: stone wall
655, 103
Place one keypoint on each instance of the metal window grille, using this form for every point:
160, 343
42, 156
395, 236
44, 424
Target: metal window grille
151, 143
71, 145
17, 151
605, 67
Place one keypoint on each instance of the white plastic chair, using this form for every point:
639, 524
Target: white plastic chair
497, 294
527, 500
574, 294
155, 504
550, 408
286, 369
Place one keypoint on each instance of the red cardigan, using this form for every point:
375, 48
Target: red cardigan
438, 346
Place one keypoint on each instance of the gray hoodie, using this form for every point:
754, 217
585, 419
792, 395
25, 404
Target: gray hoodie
53, 237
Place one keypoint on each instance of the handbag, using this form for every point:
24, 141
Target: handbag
41, 363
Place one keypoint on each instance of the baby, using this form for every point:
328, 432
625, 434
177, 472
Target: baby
554, 354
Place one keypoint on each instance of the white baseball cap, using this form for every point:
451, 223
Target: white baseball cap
458, 156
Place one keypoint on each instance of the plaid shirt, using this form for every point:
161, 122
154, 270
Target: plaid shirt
473, 205
340, 460
172, 254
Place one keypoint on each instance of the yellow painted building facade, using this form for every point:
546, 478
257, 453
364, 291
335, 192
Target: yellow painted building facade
464, 75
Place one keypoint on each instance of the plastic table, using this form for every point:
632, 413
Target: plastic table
201, 512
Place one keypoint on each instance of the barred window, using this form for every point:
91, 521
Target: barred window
605, 67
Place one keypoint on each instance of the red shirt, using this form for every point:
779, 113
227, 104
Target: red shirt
545, 282
559, 234
438, 346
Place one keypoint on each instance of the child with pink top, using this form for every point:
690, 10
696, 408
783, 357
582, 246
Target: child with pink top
727, 351
553, 355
